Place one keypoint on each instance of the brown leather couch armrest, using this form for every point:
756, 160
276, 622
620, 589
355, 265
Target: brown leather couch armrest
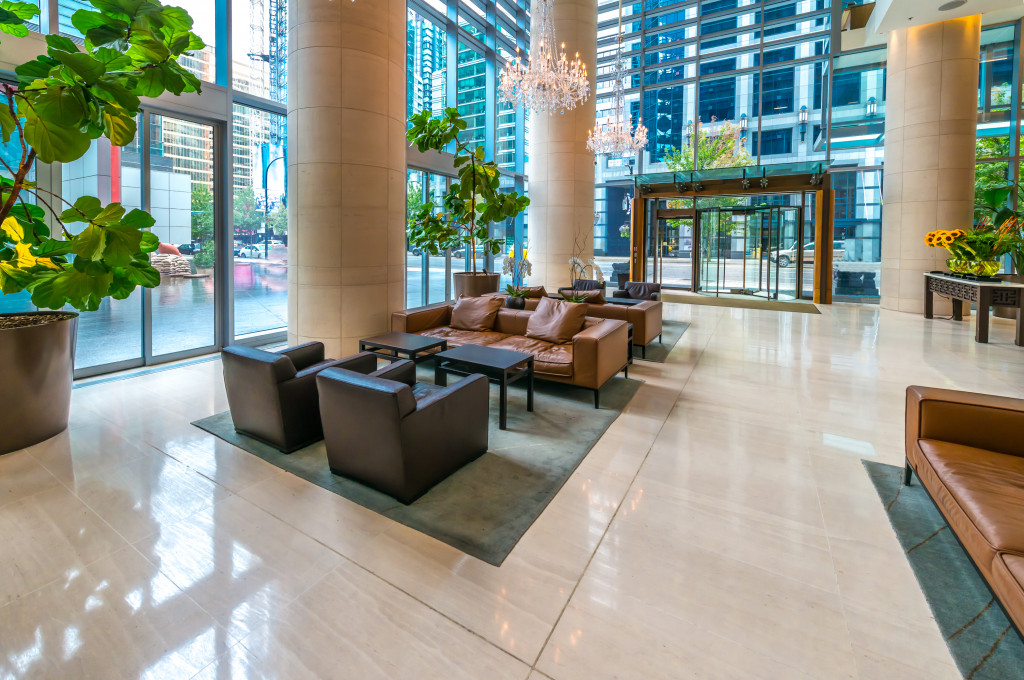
425, 318
980, 420
599, 352
646, 318
304, 355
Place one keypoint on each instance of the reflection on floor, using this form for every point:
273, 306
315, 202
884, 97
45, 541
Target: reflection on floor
722, 528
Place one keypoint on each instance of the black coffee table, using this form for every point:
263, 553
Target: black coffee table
501, 366
416, 347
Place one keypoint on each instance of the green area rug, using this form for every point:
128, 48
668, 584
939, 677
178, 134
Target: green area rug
486, 507
671, 331
741, 302
980, 637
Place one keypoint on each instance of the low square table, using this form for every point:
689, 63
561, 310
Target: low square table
983, 293
501, 366
415, 347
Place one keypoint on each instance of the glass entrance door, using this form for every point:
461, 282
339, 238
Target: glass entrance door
670, 252
742, 251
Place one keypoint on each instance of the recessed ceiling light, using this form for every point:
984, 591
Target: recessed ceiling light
952, 4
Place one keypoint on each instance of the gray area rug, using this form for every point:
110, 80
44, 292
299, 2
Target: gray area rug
671, 331
487, 506
741, 302
980, 637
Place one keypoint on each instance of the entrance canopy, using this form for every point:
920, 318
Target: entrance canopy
805, 176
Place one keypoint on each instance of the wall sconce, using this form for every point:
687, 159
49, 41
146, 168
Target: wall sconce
744, 122
872, 107
802, 117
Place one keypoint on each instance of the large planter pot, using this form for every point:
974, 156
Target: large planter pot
1008, 312
35, 392
474, 285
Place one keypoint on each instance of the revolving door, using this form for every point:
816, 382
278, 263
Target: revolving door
756, 251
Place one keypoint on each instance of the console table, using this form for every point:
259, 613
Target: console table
983, 293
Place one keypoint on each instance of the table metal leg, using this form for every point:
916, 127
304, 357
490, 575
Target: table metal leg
1019, 339
503, 401
529, 385
984, 307
928, 299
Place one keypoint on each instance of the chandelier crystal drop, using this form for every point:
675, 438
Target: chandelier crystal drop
617, 138
549, 82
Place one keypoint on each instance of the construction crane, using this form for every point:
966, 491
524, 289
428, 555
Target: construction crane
271, 35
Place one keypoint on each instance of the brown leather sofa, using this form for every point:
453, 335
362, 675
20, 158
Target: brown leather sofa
645, 317
967, 450
593, 357
399, 436
272, 395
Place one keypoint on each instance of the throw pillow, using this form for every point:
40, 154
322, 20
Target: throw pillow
533, 291
476, 313
556, 321
593, 297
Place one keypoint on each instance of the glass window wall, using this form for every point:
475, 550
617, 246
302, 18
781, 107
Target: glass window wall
174, 171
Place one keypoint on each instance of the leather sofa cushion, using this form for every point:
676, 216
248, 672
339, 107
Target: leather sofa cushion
475, 313
518, 343
555, 360
1008, 584
556, 320
457, 337
593, 297
987, 486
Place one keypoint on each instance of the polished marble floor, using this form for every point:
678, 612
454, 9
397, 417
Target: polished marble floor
722, 528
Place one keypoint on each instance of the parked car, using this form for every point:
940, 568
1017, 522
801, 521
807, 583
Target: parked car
786, 256
253, 250
461, 253
188, 248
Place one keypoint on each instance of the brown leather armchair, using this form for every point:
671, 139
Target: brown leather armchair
272, 395
639, 290
398, 436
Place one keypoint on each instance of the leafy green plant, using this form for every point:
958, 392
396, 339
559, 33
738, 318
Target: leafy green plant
993, 207
471, 204
204, 257
64, 100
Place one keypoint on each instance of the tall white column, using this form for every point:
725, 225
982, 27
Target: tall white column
930, 128
561, 170
346, 181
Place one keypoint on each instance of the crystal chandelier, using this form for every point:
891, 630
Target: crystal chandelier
616, 138
549, 83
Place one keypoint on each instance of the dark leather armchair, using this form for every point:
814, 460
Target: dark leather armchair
396, 435
639, 290
272, 395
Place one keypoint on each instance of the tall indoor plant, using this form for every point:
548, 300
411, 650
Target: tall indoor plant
993, 207
470, 205
64, 100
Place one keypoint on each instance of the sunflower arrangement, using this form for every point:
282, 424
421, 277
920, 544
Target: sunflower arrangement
975, 251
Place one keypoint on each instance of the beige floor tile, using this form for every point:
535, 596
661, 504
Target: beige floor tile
21, 475
46, 537
351, 624
241, 564
145, 495
115, 618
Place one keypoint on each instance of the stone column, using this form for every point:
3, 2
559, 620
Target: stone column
930, 128
561, 170
346, 175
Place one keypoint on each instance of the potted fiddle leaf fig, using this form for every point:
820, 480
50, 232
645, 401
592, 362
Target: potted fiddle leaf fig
63, 101
468, 208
